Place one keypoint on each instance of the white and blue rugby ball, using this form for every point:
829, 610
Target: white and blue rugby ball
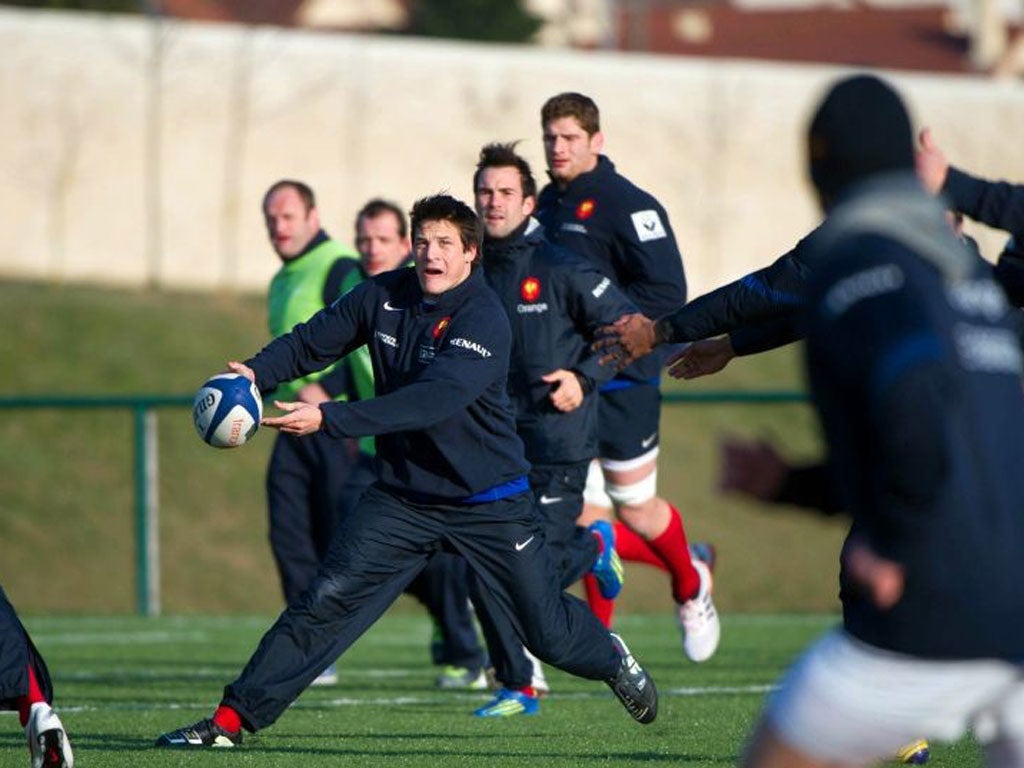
227, 410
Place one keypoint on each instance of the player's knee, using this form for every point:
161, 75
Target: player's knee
636, 495
547, 646
328, 596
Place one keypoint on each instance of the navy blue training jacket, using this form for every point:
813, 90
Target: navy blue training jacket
555, 300
917, 382
445, 425
625, 232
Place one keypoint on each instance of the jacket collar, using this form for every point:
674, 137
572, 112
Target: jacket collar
601, 171
454, 297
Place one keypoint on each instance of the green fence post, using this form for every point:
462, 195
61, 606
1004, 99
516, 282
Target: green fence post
147, 553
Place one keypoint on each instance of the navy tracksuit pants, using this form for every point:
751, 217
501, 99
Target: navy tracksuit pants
17, 652
558, 493
377, 551
312, 482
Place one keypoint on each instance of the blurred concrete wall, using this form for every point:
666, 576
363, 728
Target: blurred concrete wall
136, 152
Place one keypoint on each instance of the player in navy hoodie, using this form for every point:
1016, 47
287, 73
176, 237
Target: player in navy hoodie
554, 300
624, 231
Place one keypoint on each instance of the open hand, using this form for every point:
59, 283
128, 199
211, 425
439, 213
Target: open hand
299, 418
701, 358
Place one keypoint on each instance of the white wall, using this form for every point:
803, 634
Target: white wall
134, 153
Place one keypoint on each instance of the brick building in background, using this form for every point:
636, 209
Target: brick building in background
974, 36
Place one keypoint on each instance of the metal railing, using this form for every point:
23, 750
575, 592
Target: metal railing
146, 474
146, 459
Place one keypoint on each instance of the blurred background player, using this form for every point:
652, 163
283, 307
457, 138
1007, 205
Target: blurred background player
590, 209
26, 688
554, 300
307, 479
915, 371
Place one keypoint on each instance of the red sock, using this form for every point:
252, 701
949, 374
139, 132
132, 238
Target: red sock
600, 606
673, 549
228, 719
528, 690
634, 547
34, 696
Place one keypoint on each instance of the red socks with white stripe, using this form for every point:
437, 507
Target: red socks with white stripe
674, 551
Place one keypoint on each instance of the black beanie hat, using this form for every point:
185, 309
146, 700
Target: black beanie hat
861, 128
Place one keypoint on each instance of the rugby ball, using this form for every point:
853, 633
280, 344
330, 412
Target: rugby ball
227, 410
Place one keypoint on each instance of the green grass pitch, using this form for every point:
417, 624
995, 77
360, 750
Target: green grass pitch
122, 681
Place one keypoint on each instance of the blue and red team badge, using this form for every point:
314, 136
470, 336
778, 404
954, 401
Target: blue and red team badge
442, 324
586, 209
529, 289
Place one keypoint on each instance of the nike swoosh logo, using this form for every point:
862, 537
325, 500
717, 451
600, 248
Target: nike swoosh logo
521, 545
549, 499
647, 441
389, 308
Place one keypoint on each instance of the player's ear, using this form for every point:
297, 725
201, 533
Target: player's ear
529, 205
597, 142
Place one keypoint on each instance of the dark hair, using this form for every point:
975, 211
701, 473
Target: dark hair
575, 105
504, 156
860, 129
444, 207
378, 206
304, 190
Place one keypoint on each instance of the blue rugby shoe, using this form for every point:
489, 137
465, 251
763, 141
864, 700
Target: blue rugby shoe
705, 552
607, 568
916, 753
508, 703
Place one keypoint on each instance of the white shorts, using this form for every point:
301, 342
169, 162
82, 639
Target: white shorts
845, 701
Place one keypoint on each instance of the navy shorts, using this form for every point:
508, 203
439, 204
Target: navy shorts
627, 422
